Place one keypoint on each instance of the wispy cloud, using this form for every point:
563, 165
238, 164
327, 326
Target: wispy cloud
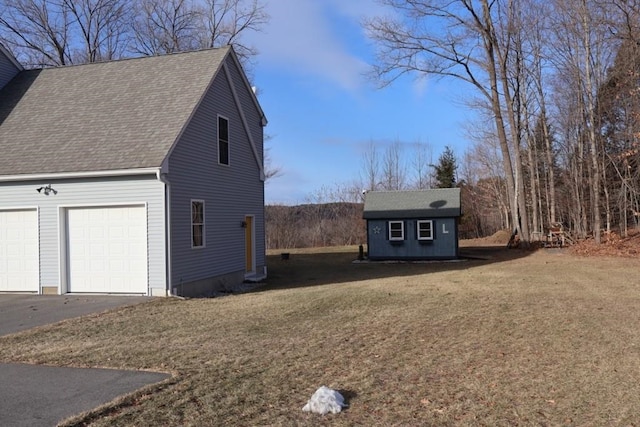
302, 36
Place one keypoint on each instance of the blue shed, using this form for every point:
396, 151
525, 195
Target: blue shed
412, 225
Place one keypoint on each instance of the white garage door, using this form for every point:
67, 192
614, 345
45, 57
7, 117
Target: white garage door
19, 270
107, 249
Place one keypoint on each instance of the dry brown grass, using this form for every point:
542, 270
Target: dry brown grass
519, 338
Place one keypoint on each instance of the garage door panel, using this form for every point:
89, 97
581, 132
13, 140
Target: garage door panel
106, 247
19, 261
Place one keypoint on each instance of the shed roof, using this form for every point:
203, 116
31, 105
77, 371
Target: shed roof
435, 203
116, 115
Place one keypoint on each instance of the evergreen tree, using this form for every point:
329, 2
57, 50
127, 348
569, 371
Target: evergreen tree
445, 170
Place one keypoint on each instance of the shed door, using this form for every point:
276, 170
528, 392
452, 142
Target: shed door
19, 264
107, 249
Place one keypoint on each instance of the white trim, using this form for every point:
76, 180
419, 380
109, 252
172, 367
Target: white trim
204, 225
105, 204
247, 129
218, 117
63, 237
396, 239
167, 233
89, 174
195, 109
20, 208
263, 118
424, 221
63, 252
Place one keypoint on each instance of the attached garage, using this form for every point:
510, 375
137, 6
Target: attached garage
107, 249
117, 187
19, 262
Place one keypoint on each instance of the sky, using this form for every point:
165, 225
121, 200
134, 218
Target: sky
323, 110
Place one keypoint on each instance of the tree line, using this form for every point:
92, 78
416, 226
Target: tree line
332, 215
314, 225
63, 32
555, 83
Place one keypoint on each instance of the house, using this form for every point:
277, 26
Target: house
412, 225
138, 176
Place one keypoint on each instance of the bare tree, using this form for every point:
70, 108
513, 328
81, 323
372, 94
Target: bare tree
393, 169
61, 32
457, 40
165, 26
225, 21
536, 68
370, 172
487, 180
583, 49
270, 170
38, 30
420, 166
101, 25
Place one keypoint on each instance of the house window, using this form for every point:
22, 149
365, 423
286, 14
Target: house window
223, 141
425, 230
396, 230
197, 223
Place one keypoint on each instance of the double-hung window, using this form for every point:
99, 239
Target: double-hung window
197, 223
223, 140
425, 230
396, 230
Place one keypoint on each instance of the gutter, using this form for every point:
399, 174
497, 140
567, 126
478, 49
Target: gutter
89, 174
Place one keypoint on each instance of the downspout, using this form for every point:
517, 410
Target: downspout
162, 177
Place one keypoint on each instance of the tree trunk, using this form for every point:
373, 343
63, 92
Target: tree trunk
594, 181
496, 107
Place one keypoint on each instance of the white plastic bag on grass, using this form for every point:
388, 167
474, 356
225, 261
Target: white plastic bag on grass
325, 400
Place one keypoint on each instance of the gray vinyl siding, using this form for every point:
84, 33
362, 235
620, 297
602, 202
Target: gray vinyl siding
443, 246
90, 192
230, 192
7, 70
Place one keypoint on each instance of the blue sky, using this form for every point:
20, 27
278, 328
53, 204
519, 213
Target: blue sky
324, 111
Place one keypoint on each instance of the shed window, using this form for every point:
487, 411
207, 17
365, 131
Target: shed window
223, 140
396, 230
425, 230
197, 223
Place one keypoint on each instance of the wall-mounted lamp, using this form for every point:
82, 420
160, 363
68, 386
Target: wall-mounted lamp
244, 224
47, 190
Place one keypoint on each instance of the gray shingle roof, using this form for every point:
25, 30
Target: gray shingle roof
436, 203
105, 116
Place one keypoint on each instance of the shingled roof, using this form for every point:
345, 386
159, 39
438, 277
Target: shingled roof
435, 203
115, 115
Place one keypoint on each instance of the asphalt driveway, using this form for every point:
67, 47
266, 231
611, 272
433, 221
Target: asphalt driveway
20, 312
33, 395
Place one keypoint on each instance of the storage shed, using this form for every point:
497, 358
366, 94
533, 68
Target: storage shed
412, 225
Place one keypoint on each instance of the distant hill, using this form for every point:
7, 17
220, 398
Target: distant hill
314, 225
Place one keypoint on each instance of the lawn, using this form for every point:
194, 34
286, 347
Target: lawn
508, 338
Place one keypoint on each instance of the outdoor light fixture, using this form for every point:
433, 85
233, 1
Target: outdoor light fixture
47, 190
243, 224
